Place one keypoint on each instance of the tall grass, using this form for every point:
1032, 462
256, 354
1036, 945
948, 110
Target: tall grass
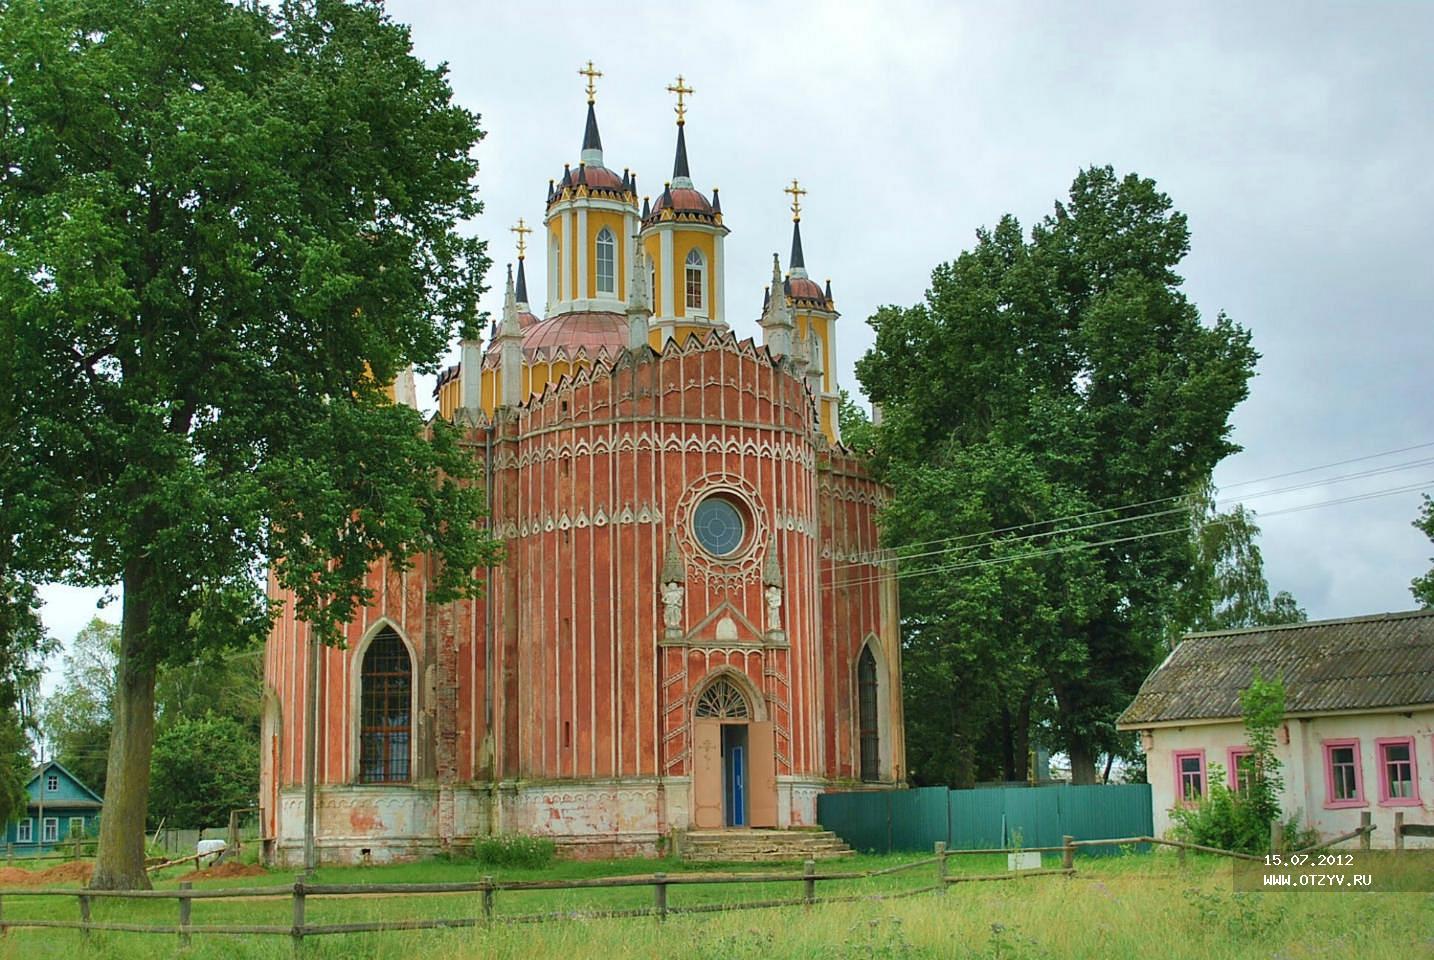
1137, 907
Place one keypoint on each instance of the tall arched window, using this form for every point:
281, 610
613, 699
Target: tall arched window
385, 703
606, 262
696, 280
866, 716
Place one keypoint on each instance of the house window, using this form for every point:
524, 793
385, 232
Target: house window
52, 783
25, 831
1398, 781
696, 279
1242, 768
606, 259
385, 702
50, 830
77, 827
1344, 783
1189, 775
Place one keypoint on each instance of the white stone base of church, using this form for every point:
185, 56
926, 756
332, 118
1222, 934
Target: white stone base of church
587, 818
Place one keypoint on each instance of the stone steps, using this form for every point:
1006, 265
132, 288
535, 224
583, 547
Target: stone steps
740, 845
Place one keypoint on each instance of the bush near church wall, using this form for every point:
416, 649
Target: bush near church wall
884, 821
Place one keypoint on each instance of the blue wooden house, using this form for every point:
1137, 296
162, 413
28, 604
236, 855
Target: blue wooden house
60, 808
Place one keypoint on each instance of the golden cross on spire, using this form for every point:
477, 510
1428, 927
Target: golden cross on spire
797, 193
520, 230
592, 75
681, 89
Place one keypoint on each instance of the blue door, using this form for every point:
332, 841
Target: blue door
734, 773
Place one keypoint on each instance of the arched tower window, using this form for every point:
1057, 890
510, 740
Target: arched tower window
606, 262
696, 280
385, 701
723, 700
866, 716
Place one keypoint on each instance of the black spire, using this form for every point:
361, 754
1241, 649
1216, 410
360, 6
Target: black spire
829, 288
522, 294
592, 140
716, 201
797, 263
646, 208
679, 165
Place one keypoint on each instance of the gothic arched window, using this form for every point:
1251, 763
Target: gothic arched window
606, 262
385, 704
723, 700
866, 716
696, 280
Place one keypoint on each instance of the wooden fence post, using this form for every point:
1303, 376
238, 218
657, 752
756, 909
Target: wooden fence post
9, 853
84, 917
298, 932
185, 904
659, 895
941, 867
809, 885
1399, 830
1180, 855
1364, 819
1067, 852
1277, 837
488, 899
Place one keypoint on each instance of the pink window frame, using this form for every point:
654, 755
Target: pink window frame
1384, 799
1176, 757
1231, 756
1358, 800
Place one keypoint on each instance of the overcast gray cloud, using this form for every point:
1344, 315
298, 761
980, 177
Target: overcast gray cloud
1297, 139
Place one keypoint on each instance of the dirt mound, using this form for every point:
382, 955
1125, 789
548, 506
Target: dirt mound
225, 870
61, 873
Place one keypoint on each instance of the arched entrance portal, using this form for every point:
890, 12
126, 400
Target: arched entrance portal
734, 781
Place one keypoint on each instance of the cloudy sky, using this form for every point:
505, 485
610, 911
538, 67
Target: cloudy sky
1296, 138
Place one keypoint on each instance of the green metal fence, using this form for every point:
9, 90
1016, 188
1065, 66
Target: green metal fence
882, 821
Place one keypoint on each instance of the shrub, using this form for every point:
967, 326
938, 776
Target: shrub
514, 850
1241, 820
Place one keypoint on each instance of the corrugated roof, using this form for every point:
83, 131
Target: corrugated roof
1386, 660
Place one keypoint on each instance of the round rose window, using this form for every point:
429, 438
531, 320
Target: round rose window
719, 527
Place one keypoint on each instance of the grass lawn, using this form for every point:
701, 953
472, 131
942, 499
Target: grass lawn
1115, 907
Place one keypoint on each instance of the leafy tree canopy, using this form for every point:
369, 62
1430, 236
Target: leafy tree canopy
1065, 386
223, 229
1423, 587
204, 767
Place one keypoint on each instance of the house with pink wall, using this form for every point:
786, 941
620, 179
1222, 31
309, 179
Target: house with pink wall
1358, 731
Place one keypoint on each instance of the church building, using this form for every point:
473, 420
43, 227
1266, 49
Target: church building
693, 625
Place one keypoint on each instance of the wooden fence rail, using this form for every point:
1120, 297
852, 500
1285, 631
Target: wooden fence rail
302, 890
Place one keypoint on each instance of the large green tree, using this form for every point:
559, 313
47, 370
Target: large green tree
1073, 360
204, 767
223, 228
76, 719
1226, 588
1423, 587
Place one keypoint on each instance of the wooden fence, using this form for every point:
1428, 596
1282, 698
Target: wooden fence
302, 890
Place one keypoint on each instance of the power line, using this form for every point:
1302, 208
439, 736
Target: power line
1392, 468
1083, 545
984, 537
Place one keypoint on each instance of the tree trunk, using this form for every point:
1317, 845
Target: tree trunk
119, 863
1082, 763
1021, 741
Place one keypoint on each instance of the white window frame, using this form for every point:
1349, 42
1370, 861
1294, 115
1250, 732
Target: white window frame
77, 827
697, 263
50, 830
605, 269
52, 783
25, 830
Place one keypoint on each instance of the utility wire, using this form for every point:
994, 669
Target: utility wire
1083, 545
984, 537
1241, 483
